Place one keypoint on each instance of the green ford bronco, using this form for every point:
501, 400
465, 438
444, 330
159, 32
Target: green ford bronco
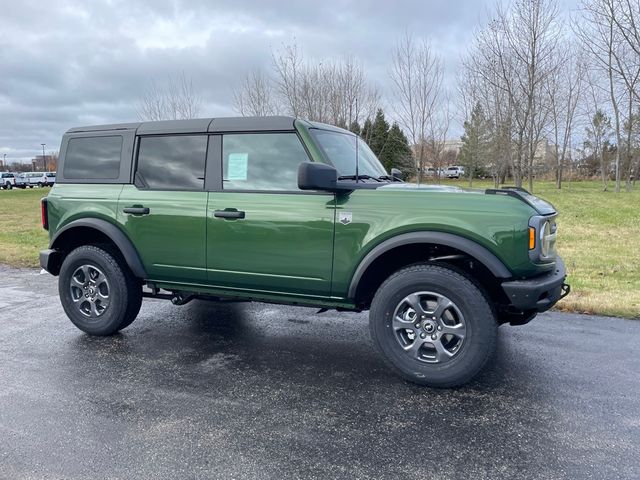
282, 210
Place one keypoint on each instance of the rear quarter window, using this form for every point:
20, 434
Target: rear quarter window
93, 158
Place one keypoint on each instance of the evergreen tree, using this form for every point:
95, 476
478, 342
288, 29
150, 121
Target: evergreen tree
396, 152
355, 127
475, 142
379, 133
366, 130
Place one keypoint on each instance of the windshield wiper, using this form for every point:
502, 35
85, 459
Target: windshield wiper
360, 177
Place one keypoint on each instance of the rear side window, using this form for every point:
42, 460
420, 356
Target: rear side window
93, 158
172, 162
262, 161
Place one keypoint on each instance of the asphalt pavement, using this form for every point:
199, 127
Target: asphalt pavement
260, 391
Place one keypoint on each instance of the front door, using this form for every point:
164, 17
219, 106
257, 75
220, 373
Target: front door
164, 212
263, 233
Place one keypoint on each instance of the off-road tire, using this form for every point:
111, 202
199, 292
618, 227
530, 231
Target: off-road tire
480, 334
124, 290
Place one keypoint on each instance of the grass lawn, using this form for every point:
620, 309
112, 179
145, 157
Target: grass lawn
21, 233
598, 234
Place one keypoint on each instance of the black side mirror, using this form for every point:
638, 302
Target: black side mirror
318, 176
397, 174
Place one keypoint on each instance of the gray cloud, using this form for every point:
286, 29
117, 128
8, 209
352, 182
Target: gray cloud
69, 63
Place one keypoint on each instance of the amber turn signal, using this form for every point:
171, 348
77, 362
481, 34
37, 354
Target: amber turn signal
532, 238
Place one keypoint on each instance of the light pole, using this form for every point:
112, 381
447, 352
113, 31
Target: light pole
44, 159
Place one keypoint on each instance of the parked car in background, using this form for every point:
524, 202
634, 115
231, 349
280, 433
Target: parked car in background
454, 172
40, 179
50, 179
21, 180
7, 180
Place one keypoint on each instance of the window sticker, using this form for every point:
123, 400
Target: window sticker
237, 166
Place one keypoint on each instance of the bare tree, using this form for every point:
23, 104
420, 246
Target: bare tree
174, 100
417, 73
335, 92
516, 54
564, 89
627, 21
255, 97
288, 65
609, 33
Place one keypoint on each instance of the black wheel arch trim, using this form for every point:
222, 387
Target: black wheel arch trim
116, 235
471, 248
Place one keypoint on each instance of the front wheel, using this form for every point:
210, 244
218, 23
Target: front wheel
97, 290
433, 325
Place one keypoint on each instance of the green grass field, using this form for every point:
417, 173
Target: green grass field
598, 236
21, 233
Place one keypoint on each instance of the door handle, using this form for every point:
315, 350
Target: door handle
228, 214
136, 210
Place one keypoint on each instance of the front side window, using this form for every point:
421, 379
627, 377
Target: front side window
340, 149
172, 162
262, 161
92, 158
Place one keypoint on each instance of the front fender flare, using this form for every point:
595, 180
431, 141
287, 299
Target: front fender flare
471, 248
116, 235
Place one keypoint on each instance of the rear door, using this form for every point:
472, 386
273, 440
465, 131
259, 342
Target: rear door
263, 233
164, 211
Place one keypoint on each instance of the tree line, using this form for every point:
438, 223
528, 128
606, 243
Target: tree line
532, 77
534, 73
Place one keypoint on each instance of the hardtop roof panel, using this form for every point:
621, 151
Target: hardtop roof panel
194, 125
111, 126
251, 124
197, 125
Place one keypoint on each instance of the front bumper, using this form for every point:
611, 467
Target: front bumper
538, 293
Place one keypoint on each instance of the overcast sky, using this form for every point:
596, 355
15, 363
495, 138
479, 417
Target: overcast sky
67, 63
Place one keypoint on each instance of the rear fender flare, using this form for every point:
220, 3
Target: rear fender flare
114, 233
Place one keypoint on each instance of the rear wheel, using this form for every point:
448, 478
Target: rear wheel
97, 290
8, 186
433, 325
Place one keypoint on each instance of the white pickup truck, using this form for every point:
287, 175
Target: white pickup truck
7, 180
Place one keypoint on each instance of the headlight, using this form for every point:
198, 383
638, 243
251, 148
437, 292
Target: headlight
542, 239
548, 241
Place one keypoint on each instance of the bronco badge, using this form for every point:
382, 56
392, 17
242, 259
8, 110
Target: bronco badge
345, 218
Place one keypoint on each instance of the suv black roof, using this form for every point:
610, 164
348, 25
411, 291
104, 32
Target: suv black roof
226, 124
200, 125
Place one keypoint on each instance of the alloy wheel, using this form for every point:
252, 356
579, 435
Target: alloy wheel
90, 291
429, 327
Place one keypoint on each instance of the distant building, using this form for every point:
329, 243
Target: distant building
453, 145
41, 163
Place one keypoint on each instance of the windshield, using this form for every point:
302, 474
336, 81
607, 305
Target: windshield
340, 149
